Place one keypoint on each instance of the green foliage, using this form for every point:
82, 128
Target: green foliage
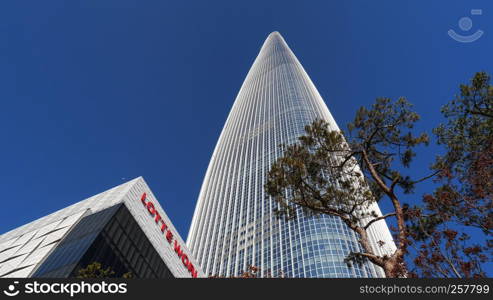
385, 134
469, 127
323, 173
465, 193
326, 172
96, 270
319, 175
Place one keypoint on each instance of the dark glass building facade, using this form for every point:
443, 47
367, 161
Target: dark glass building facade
111, 237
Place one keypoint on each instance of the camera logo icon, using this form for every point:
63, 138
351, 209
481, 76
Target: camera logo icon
465, 24
11, 291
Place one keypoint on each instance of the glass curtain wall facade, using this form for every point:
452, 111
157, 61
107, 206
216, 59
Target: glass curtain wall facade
234, 225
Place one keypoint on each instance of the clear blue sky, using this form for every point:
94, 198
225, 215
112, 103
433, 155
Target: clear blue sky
92, 92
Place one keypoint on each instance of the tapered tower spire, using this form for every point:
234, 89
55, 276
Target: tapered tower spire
234, 225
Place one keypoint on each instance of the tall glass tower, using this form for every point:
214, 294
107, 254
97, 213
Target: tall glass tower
234, 225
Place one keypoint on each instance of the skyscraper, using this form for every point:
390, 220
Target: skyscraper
234, 225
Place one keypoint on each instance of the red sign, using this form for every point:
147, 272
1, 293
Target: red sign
168, 235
